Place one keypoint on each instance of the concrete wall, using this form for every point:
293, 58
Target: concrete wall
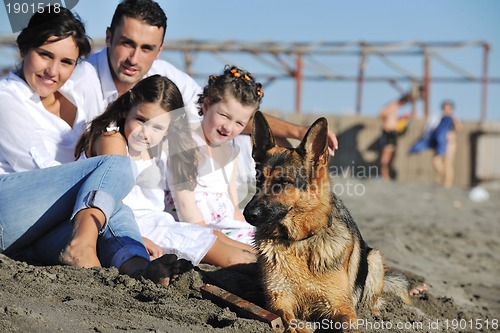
477, 159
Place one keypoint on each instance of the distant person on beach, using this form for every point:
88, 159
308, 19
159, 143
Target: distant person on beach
134, 43
441, 136
139, 124
393, 125
52, 211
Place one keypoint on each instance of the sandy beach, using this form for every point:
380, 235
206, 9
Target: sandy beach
435, 233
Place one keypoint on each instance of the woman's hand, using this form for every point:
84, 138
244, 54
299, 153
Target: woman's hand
153, 249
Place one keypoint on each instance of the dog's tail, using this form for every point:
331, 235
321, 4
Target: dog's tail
395, 282
374, 283
381, 280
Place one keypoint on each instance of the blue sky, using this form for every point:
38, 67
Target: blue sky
355, 20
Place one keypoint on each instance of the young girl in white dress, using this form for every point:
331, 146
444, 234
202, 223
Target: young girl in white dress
139, 124
226, 105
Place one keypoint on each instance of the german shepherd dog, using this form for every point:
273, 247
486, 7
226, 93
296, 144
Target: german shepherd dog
314, 262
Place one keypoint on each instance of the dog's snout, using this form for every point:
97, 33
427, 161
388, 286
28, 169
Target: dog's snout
253, 213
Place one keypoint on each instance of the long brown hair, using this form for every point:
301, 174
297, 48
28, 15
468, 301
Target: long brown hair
154, 89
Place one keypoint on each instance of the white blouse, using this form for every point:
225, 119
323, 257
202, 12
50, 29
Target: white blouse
32, 137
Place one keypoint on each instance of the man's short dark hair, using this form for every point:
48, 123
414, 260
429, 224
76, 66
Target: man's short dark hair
147, 11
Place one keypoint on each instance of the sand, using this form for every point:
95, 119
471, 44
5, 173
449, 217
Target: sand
426, 230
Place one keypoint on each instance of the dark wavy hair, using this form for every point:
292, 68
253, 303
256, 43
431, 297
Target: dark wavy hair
235, 81
143, 10
154, 89
51, 23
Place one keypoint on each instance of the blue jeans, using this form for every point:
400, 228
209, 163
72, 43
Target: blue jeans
36, 209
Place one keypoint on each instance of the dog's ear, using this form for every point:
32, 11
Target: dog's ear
314, 145
262, 137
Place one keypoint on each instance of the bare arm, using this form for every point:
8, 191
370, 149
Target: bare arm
110, 143
185, 203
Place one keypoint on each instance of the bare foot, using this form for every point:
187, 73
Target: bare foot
80, 255
163, 269
418, 289
81, 251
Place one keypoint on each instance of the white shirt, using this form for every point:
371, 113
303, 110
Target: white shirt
32, 137
187, 86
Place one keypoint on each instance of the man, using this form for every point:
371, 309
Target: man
134, 43
394, 125
390, 119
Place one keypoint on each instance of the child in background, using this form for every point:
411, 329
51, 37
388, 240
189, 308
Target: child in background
226, 105
441, 136
137, 124
446, 144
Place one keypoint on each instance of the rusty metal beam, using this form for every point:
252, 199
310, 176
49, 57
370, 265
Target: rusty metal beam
426, 82
484, 85
360, 80
188, 62
298, 83
272, 53
241, 307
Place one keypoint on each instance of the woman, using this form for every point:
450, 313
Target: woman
45, 106
48, 100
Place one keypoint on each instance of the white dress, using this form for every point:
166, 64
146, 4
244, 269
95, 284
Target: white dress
212, 196
188, 241
147, 201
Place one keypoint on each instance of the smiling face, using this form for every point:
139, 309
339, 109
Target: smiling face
132, 48
47, 67
224, 120
145, 126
